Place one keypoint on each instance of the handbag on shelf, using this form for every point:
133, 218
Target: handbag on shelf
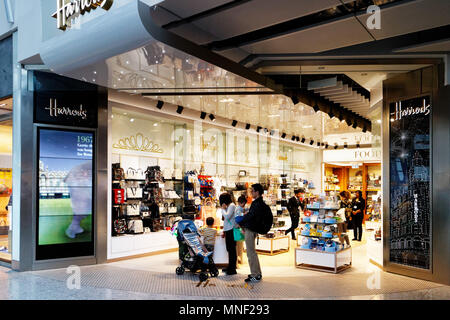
172, 208
133, 209
119, 196
135, 226
118, 172
163, 208
134, 193
120, 226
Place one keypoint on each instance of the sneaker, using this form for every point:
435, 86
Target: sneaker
254, 279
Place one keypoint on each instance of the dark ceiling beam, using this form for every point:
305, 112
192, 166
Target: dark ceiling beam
340, 62
204, 14
208, 93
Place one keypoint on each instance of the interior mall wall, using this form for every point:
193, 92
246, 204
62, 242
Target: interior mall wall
410, 85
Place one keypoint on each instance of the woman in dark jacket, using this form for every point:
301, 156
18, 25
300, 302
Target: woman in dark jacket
358, 207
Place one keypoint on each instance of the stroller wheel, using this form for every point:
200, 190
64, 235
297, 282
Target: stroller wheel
214, 273
203, 276
179, 271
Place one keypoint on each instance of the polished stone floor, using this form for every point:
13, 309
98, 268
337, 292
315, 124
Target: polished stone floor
154, 278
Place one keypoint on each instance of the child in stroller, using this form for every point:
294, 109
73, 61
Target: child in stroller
192, 253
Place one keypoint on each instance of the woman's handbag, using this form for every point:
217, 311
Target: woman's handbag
133, 209
135, 226
120, 226
134, 193
238, 234
172, 208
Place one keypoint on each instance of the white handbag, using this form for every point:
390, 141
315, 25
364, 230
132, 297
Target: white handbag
133, 209
135, 174
134, 193
173, 208
163, 208
135, 226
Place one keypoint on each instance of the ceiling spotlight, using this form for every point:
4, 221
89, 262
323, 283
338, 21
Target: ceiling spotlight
318, 144
311, 142
326, 146
294, 100
297, 138
180, 109
234, 123
293, 138
316, 107
247, 126
203, 115
357, 145
335, 146
364, 129
160, 104
212, 117
258, 129
341, 117
272, 132
283, 135
345, 145
303, 139
355, 124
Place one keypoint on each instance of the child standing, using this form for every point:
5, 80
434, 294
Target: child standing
240, 211
209, 234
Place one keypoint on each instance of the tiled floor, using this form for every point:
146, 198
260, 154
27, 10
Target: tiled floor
154, 278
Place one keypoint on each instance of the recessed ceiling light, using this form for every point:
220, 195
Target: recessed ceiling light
132, 120
155, 124
378, 121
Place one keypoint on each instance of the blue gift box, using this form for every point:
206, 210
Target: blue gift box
327, 234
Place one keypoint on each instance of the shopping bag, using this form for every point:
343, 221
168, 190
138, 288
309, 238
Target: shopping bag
238, 234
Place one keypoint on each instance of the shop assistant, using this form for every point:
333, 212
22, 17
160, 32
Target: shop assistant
358, 206
293, 207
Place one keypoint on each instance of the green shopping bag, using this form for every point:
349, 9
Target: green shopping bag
238, 234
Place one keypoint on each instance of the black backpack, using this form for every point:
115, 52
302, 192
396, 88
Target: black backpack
265, 220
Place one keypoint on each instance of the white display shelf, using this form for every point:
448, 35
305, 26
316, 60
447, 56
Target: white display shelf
131, 245
272, 246
332, 262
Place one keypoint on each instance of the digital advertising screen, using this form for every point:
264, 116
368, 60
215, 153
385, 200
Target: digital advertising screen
66, 190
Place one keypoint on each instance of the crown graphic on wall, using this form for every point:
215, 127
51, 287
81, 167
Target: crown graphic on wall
138, 143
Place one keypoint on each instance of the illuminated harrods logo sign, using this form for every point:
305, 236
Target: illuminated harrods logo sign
400, 113
67, 10
138, 143
55, 111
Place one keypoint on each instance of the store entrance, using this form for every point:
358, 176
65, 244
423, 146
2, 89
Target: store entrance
6, 106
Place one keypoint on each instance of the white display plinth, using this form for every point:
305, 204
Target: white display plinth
333, 262
374, 250
372, 225
220, 255
131, 245
272, 246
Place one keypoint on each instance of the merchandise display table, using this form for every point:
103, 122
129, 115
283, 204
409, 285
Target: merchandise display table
272, 246
332, 262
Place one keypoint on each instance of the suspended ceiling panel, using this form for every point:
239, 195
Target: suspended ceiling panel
437, 46
411, 17
258, 14
185, 9
333, 35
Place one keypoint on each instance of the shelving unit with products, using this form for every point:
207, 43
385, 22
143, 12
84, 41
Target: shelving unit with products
317, 250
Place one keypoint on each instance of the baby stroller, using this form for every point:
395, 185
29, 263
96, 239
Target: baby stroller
192, 253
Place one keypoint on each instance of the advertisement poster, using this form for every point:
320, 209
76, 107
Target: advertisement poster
65, 187
410, 182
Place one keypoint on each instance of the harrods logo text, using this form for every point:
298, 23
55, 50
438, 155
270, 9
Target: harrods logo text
401, 113
56, 111
70, 9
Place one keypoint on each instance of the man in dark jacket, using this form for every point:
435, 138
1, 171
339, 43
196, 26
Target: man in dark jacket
249, 223
293, 207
